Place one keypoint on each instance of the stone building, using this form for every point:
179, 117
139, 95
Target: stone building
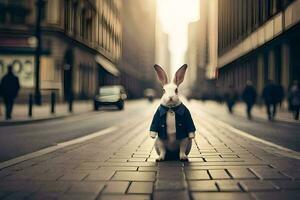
162, 52
258, 40
81, 44
138, 46
197, 54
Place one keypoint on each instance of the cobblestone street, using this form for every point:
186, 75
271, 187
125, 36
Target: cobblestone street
121, 165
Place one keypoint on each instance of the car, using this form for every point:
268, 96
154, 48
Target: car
110, 96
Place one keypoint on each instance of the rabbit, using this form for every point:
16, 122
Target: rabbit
172, 122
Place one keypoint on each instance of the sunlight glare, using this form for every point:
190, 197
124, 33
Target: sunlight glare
175, 15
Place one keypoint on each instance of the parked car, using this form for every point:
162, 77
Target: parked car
110, 96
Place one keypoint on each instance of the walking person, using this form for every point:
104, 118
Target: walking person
9, 88
279, 94
231, 96
270, 97
249, 97
295, 99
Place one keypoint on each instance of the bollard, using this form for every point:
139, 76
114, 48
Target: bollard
71, 103
53, 102
30, 103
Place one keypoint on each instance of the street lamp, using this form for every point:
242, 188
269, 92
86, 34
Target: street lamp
37, 92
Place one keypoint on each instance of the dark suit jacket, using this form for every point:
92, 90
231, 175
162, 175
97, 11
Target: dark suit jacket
184, 122
9, 86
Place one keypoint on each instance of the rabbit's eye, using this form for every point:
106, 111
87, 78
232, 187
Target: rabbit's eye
176, 90
163, 90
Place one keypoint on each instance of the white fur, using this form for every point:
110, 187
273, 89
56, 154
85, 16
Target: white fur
171, 99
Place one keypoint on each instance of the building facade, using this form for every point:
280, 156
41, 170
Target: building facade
162, 52
258, 40
138, 49
81, 44
197, 54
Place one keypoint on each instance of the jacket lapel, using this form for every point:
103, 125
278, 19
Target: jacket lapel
178, 109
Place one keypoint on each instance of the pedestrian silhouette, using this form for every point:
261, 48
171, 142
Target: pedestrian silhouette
9, 89
295, 99
249, 97
272, 95
279, 94
231, 96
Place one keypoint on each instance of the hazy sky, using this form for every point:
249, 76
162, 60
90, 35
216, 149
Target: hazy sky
175, 16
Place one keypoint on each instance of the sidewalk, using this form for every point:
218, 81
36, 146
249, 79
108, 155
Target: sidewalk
20, 112
121, 166
257, 111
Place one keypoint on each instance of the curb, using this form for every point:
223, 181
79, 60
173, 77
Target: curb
31, 121
37, 120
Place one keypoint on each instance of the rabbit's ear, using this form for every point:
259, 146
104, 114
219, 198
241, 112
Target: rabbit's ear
161, 74
179, 76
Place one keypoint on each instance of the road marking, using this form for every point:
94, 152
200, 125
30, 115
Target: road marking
56, 147
275, 147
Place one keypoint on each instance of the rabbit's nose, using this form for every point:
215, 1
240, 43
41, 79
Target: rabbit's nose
170, 98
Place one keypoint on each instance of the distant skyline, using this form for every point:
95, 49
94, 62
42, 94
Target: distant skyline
175, 15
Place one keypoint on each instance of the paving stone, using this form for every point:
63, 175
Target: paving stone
141, 188
241, 174
219, 174
228, 186
75, 175
229, 156
203, 151
86, 187
119, 168
129, 164
151, 160
286, 184
89, 165
170, 173
77, 197
49, 176
196, 159
203, 186
137, 159
290, 195
208, 159
100, 175
140, 156
134, 176
222, 167
116, 160
116, 187
268, 174
224, 164
221, 196
197, 175
174, 195
55, 187
256, 185
170, 185
148, 169
124, 197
